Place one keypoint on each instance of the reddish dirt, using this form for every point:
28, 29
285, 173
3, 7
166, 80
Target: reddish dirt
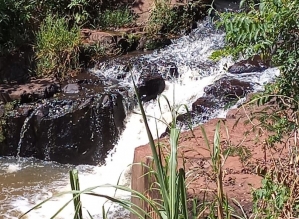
239, 178
36, 87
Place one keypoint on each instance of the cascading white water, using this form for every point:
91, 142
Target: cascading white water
189, 53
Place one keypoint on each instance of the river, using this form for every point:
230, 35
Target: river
24, 182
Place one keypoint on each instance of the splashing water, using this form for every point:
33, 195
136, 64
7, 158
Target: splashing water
24, 130
190, 55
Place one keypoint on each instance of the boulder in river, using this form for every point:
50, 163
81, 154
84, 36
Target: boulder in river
150, 86
78, 131
227, 89
254, 64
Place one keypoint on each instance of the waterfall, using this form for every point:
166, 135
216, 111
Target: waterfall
190, 54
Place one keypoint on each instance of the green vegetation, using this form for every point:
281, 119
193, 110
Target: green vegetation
242, 152
116, 18
270, 199
28, 30
16, 24
53, 27
270, 29
170, 19
57, 47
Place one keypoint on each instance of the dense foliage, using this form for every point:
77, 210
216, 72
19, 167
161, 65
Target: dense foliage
270, 29
21, 33
165, 18
25, 29
57, 47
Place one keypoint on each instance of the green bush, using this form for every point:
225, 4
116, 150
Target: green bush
20, 19
16, 24
269, 28
168, 18
57, 47
116, 18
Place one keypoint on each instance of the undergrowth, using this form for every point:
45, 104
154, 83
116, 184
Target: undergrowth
116, 18
166, 18
269, 28
57, 47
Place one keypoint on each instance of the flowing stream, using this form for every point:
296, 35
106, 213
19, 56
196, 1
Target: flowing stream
26, 182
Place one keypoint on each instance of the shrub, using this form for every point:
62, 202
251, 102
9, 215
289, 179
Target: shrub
167, 18
269, 28
16, 24
57, 47
115, 18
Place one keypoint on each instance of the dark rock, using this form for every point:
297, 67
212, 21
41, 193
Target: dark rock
218, 95
173, 70
50, 90
119, 113
226, 5
254, 64
71, 89
228, 89
79, 131
203, 104
123, 44
149, 86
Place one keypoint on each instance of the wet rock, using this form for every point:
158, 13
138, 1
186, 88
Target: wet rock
219, 95
34, 90
79, 131
227, 89
226, 5
203, 104
123, 44
71, 89
149, 86
254, 64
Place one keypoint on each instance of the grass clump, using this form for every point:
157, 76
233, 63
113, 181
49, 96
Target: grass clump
57, 47
116, 18
167, 18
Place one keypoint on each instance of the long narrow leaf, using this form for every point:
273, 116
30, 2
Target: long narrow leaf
158, 164
174, 136
183, 192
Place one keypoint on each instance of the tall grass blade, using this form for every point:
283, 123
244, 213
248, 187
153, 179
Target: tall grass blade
183, 193
90, 216
174, 136
74, 179
157, 161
